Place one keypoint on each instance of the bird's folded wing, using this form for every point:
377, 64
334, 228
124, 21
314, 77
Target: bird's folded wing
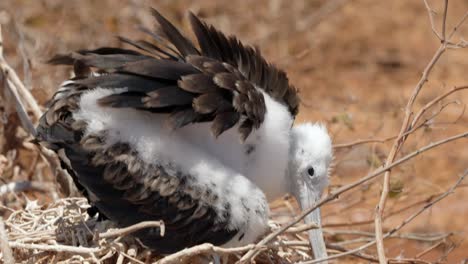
224, 82
127, 190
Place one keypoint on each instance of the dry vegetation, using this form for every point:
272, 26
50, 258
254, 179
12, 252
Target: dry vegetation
389, 78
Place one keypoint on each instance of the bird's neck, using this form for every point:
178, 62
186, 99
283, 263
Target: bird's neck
268, 164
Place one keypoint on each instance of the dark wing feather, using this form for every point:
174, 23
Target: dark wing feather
183, 45
248, 61
168, 96
158, 68
207, 85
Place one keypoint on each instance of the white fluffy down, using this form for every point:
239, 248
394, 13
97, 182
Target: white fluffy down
222, 163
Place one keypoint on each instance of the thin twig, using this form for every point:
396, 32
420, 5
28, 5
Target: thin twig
444, 20
374, 259
435, 101
429, 249
431, 13
455, 29
178, 257
302, 228
56, 248
10, 74
362, 141
133, 228
4, 246
393, 213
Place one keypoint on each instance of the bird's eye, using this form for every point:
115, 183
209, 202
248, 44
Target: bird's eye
311, 171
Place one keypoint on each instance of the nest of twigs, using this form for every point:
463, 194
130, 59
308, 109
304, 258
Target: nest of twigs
63, 232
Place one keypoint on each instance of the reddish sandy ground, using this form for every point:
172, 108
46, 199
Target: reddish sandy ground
355, 66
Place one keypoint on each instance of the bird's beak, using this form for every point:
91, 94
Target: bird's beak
307, 199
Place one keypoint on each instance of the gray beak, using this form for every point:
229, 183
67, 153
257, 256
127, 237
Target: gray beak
307, 198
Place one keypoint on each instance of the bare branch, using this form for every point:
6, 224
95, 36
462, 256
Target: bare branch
429, 249
455, 29
444, 20
431, 13
55, 248
362, 141
435, 101
4, 246
133, 228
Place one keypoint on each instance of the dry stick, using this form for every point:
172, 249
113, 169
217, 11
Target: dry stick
431, 13
433, 102
206, 248
355, 254
443, 258
408, 236
374, 259
56, 248
444, 19
20, 109
395, 229
202, 249
413, 123
413, 126
458, 25
133, 228
429, 249
333, 195
4, 247
362, 141
10, 74
396, 212
302, 228
398, 143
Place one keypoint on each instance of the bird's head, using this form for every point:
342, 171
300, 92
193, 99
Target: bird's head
310, 156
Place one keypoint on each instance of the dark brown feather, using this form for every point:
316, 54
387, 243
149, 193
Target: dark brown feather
207, 44
210, 103
198, 83
182, 118
247, 60
225, 80
178, 40
122, 100
158, 68
81, 70
223, 122
168, 96
245, 129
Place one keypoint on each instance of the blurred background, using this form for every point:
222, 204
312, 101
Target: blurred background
355, 62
